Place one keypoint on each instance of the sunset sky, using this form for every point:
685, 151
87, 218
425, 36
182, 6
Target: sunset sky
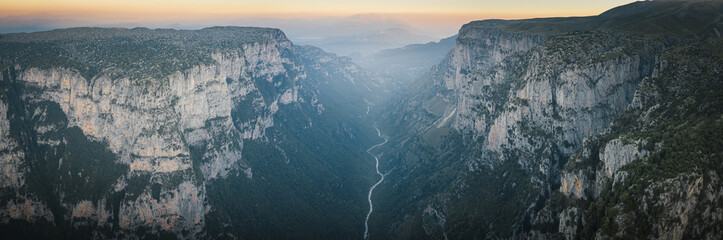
181, 8
449, 14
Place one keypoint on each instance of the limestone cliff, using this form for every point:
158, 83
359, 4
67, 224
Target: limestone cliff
160, 129
644, 176
525, 100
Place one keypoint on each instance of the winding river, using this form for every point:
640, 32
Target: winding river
369, 197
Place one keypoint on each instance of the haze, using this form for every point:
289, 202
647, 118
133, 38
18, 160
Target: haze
335, 26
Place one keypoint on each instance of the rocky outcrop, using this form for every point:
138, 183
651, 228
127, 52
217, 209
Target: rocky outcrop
476, 67
29, 209
617, 154
678, 203
179, 209
570, 219
481, 45
587, 182
11, 156
573, 184
88, 213
23, 206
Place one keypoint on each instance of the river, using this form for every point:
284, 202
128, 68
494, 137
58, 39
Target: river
369, 197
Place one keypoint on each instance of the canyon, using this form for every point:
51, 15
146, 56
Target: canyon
597, 127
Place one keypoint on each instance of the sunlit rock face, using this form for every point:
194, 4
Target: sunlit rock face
138, 117
151, 125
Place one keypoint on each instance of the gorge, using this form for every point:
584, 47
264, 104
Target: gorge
601, 127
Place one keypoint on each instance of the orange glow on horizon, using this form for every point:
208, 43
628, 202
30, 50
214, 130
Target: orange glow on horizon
185, 9
441, 17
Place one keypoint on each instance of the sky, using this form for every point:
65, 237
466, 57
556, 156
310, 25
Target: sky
440, 18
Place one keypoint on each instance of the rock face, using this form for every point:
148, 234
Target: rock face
634, 183
159, 137
152, 125
12, 180
533, 104
617, 155
12, 156
132, 117
182, 208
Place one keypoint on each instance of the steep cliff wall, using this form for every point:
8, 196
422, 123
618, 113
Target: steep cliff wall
524, 105
523, 99
17, 205
129, 147
153, 125
652, 173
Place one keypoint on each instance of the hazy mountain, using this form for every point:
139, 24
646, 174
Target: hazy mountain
369, 42
400, 65
364, 34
